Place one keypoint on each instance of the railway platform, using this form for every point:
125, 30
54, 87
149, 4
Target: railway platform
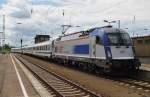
145, 63
13, 81
17, 80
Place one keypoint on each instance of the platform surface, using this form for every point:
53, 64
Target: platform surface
10, 85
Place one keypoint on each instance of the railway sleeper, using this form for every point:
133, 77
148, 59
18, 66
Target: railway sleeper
54, 80
60, 85
70, 92
63, 87
63, 90
75, 95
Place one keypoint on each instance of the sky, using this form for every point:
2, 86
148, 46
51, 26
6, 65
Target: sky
26, 18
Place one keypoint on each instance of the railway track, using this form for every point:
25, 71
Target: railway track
57, 85
135, 83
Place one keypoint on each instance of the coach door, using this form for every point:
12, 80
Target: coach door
99, 48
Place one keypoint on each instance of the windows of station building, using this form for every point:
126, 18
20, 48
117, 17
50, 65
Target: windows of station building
144, 41
140, 41
147, 41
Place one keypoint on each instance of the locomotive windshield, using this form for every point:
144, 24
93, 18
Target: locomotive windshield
119, 39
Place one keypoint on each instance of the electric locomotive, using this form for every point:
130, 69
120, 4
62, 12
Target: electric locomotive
103, 49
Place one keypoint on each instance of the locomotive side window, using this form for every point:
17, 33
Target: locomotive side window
98, 40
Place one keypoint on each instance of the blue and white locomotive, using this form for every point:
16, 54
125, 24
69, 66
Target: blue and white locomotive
101, 49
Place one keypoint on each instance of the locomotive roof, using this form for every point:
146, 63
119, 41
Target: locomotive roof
114, 30
107, 29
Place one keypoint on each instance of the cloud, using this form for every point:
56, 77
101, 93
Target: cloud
45, 16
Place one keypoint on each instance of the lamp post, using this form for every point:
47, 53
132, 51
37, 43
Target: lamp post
3, 34
146, 30
21, 45
1, 43
21, 40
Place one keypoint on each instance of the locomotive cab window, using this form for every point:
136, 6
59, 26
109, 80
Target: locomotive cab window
98, 40
119, 39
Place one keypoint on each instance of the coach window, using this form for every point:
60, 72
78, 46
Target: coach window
56, 49
98, 40
42, 47
45, 47
49, 47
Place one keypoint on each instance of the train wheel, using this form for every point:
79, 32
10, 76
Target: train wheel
97, 70
84, 66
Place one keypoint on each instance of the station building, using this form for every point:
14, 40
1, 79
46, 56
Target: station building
41, 38
142, 46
